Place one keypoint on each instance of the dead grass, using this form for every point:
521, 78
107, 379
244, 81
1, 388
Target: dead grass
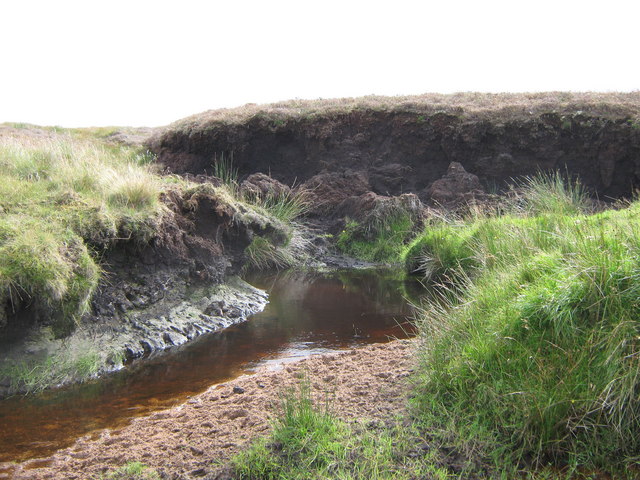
467, 104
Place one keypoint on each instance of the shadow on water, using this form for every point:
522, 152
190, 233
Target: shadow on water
307, 313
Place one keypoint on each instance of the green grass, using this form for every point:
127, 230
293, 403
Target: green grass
33, 376
378, 238
62, 199
550, 193
264, 253
308, 441
132, 471
225, 170
534, 357
65, 198
286, 207
279, 245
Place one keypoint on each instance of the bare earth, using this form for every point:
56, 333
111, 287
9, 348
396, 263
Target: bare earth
192, 440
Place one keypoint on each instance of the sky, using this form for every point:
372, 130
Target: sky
148, 63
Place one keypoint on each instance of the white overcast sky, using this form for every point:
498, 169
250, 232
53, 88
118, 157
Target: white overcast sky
139, 62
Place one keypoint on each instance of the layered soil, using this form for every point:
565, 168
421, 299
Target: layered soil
195, 439
394, 145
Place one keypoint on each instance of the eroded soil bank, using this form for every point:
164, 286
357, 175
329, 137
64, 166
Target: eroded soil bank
394, 145
193, 439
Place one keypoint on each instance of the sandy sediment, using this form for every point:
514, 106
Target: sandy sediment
192, 440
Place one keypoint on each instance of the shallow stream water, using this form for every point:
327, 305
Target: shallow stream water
307, 313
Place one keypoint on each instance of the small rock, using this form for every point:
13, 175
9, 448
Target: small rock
196, 451
139, 302
214, 309
237, 389
240, 412
232, 312
261, 385
166, 337
124, 305
146, 346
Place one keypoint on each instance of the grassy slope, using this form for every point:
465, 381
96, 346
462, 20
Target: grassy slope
63, 196
534, 357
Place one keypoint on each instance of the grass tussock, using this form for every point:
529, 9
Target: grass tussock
61, 198
381, 235
534, 356
550, 193
131, 471
281, 245
308, 441
379, 241
36, 375
263, 254
287, 205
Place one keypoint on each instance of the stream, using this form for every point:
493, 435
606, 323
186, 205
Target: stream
307, 313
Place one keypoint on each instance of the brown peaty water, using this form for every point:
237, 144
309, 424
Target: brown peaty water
307, 313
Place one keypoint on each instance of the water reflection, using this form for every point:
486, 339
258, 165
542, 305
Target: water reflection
307, 313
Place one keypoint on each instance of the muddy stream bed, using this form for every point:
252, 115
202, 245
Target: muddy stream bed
307, 313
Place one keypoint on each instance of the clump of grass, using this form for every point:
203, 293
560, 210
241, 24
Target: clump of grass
539, 212
263, 254
46, 268
308, 441
286, 206
35, 375
304, 439
534, 359
225, 170
381, 234
277, 244
135, 191
382, 241
440, 252
133, 471
550, 193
